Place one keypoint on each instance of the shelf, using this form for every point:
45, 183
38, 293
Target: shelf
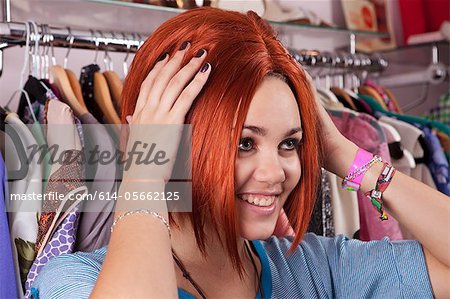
283, 27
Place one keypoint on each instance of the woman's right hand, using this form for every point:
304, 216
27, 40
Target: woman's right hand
165, 97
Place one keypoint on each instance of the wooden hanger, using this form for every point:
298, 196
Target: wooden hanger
339, 92
115, 88
369, 91
76, 87
103, 99
61, 80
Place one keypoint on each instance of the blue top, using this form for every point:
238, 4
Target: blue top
319, 268
8, 284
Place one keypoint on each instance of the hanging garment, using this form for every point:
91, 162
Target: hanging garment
365, 132
343, 97
386, 99
345, 209
39, 93
379, 111
437, 162
65, 179
445, 143
401, 158
412, 140
321, 222
87, 88
23, 218
95, 222
441, 113
393, 99
8, 283
62, 242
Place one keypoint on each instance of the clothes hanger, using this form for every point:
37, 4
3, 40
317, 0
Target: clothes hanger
369, 91
73, 80
114, 83
326, 92
62, 82
102, 96
125, 60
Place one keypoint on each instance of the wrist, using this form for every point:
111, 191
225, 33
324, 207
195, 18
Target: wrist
340, 160
370, 178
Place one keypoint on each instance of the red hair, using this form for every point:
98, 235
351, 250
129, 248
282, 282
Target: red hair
242, 50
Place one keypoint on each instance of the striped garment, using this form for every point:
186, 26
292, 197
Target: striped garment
320, 267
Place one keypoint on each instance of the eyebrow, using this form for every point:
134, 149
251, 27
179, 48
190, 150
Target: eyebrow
263, 131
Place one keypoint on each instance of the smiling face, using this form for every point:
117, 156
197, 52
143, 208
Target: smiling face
267, 165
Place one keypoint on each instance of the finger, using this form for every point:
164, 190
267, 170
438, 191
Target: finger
167, 73
180, 80
147, 84
184, 101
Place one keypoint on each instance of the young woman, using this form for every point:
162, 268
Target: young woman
258, 141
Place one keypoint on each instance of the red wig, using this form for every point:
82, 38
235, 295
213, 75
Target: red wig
243, 50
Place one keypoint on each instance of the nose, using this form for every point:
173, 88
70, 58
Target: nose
269, 169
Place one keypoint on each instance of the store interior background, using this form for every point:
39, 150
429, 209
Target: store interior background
119, 18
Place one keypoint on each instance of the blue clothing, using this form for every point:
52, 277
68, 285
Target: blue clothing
8, 283
437, 161
320, 267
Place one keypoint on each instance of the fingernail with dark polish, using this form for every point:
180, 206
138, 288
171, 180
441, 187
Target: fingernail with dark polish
163, 56
200, 53
184, 45
204, 68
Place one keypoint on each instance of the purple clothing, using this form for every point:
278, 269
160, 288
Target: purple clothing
8, 283
437, 161
62, 242
365, 132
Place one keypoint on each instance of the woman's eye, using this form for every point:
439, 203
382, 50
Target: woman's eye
290, 144
246, 144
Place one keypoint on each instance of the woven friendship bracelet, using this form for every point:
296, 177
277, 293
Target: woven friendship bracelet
376, 195
155, 214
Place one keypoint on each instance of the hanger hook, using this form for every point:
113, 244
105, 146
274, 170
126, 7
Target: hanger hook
105, 58
70, 38
125, 64
34, 68
96, 42
44, 52
51, 39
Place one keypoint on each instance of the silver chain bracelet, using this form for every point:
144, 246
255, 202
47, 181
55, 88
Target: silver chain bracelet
148, 212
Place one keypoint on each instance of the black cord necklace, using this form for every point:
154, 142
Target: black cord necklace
196, 286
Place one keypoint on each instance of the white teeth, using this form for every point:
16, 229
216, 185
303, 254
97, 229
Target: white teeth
259, 200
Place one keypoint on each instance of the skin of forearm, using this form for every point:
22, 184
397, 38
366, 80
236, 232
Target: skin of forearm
144, 273
423, 211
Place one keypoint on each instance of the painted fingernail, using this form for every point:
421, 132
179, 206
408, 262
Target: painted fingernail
129, 118
184, 45
163, 56
205, 67
200, 53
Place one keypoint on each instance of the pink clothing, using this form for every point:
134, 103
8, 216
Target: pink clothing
364, 131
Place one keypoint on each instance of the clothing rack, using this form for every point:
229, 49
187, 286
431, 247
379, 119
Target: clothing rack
14, 33
345, 62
